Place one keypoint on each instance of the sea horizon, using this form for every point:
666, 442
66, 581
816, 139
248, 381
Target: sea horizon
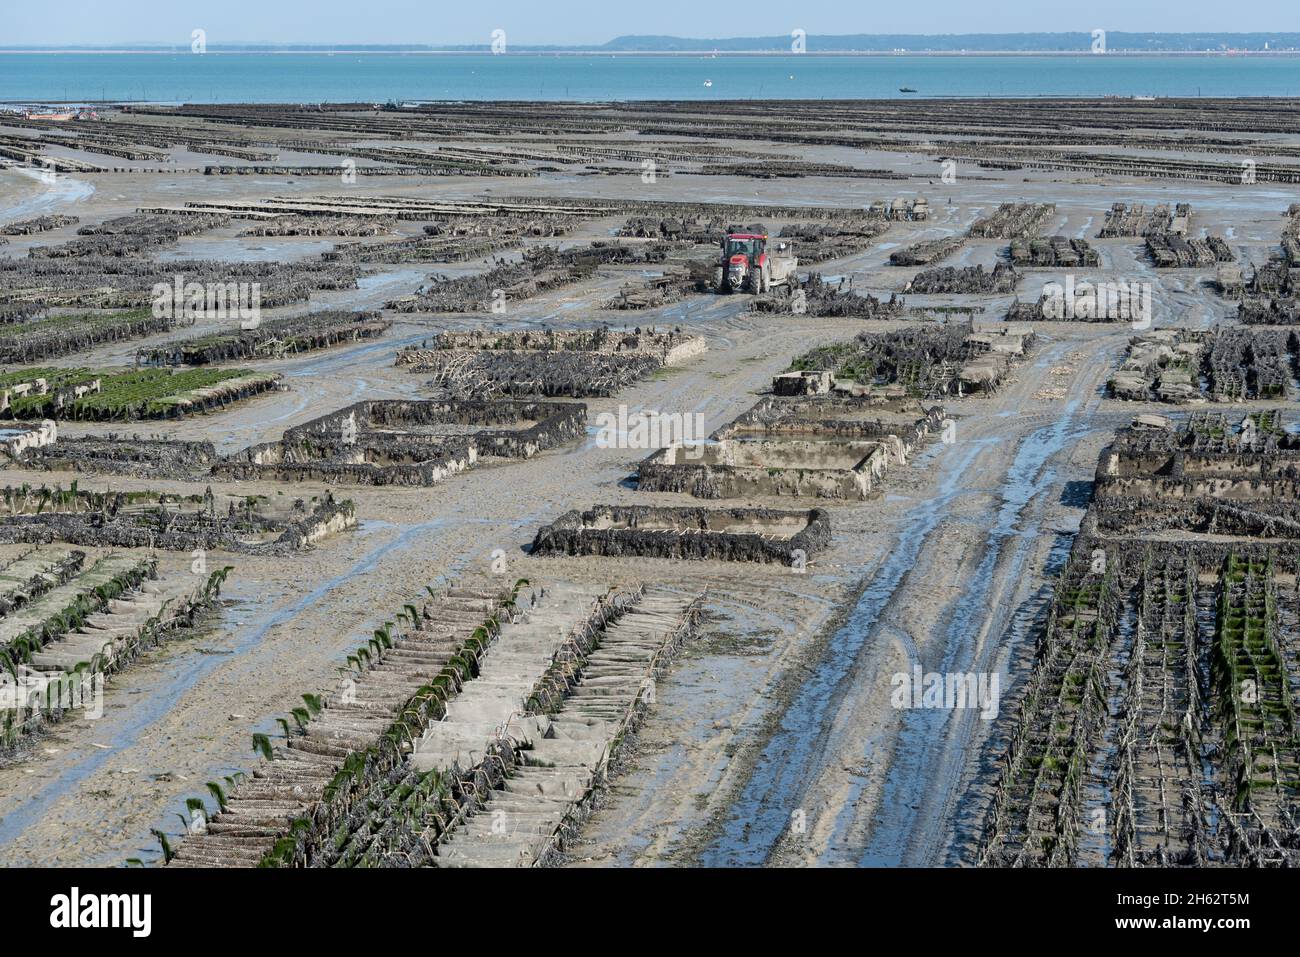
708, 54
325, 77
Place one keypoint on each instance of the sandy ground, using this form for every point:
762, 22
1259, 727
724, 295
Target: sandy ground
773, 740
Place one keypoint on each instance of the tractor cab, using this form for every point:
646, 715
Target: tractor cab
747, 245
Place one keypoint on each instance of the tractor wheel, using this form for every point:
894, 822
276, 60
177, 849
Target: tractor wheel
756, 281
719, 280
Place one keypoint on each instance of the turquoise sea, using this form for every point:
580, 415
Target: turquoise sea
381, 77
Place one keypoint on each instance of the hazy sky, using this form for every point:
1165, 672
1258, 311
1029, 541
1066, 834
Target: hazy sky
556, 21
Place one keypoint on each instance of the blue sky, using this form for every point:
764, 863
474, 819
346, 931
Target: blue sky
542, 22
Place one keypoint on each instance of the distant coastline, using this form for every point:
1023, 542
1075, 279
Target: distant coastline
1024, 43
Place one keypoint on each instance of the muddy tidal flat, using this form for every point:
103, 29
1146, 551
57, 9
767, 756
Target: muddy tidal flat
959, 527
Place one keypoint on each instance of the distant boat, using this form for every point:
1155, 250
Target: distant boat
906, 89
708, 83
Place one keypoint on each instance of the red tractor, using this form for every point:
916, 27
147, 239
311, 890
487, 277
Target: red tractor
747, 264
